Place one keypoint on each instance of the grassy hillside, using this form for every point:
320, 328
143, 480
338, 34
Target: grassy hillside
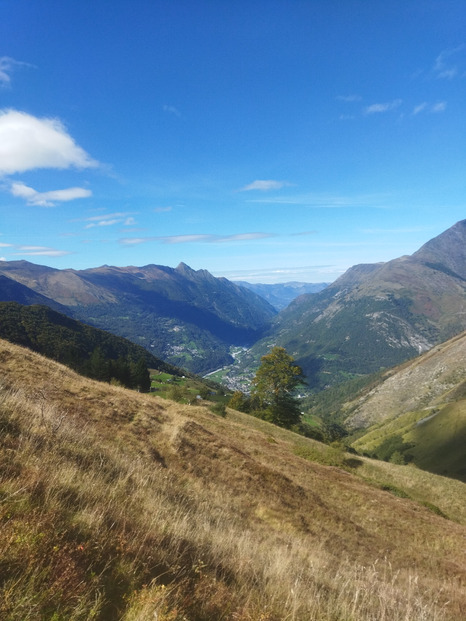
119, 505
417, 412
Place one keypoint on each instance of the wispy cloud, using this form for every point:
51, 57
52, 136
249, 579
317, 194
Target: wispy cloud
47, 199
172, 110
7, 67
28, 143
420, 108
382, 107
162, 209
349, 98
109, 219
195, 239
425, 107
33, 251
439, 107
395, 231
449, 63
304, 233
279, 274
264, 185
326, 201
136, 241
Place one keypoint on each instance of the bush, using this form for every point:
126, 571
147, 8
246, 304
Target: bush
219, 408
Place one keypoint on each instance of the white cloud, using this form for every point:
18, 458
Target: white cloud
3, 245
185, 239
172, 110
349, 98
383, 107
396, 231
430, 108
108, 219
7, 66
439, 107
326, 201
195, 239
27, 143
135, 241
264, 185
244, 237
162, 209
420, 108
103, 223
309, 273
447, 64
33, 251
47, 199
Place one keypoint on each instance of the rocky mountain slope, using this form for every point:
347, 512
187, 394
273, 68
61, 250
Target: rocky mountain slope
377, 315
417, 411
186, 317
121, 506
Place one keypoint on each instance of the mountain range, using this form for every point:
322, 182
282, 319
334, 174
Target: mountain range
188, 318
375, 315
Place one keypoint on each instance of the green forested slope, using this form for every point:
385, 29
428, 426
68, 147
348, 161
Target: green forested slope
85, 349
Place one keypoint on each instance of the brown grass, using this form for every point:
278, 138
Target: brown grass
116, 505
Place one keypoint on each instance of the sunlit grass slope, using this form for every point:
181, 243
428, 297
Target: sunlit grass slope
118, 505
423, 404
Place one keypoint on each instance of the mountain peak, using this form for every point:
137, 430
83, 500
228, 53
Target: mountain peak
183, 267
447, 251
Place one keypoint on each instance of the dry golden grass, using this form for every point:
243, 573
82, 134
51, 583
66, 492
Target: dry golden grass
117, 505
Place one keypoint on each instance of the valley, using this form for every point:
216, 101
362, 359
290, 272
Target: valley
176, 505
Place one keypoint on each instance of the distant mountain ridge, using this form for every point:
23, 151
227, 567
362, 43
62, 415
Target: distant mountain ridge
187, 317
279, 295
377, 315
373, 317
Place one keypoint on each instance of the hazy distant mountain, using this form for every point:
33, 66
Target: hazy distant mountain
376, 316
189, 318
281, 294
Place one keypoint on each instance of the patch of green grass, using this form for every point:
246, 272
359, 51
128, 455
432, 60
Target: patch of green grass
434, 439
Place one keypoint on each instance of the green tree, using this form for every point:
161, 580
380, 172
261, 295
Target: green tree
98, 366
238, 401
273, 386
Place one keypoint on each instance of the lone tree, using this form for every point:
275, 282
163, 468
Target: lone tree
273, 385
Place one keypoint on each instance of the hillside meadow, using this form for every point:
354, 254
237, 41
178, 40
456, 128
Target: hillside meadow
116, 505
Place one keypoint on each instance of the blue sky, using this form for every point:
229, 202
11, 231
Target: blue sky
264, 140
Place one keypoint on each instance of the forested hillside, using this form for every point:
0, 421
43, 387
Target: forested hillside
85, 349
